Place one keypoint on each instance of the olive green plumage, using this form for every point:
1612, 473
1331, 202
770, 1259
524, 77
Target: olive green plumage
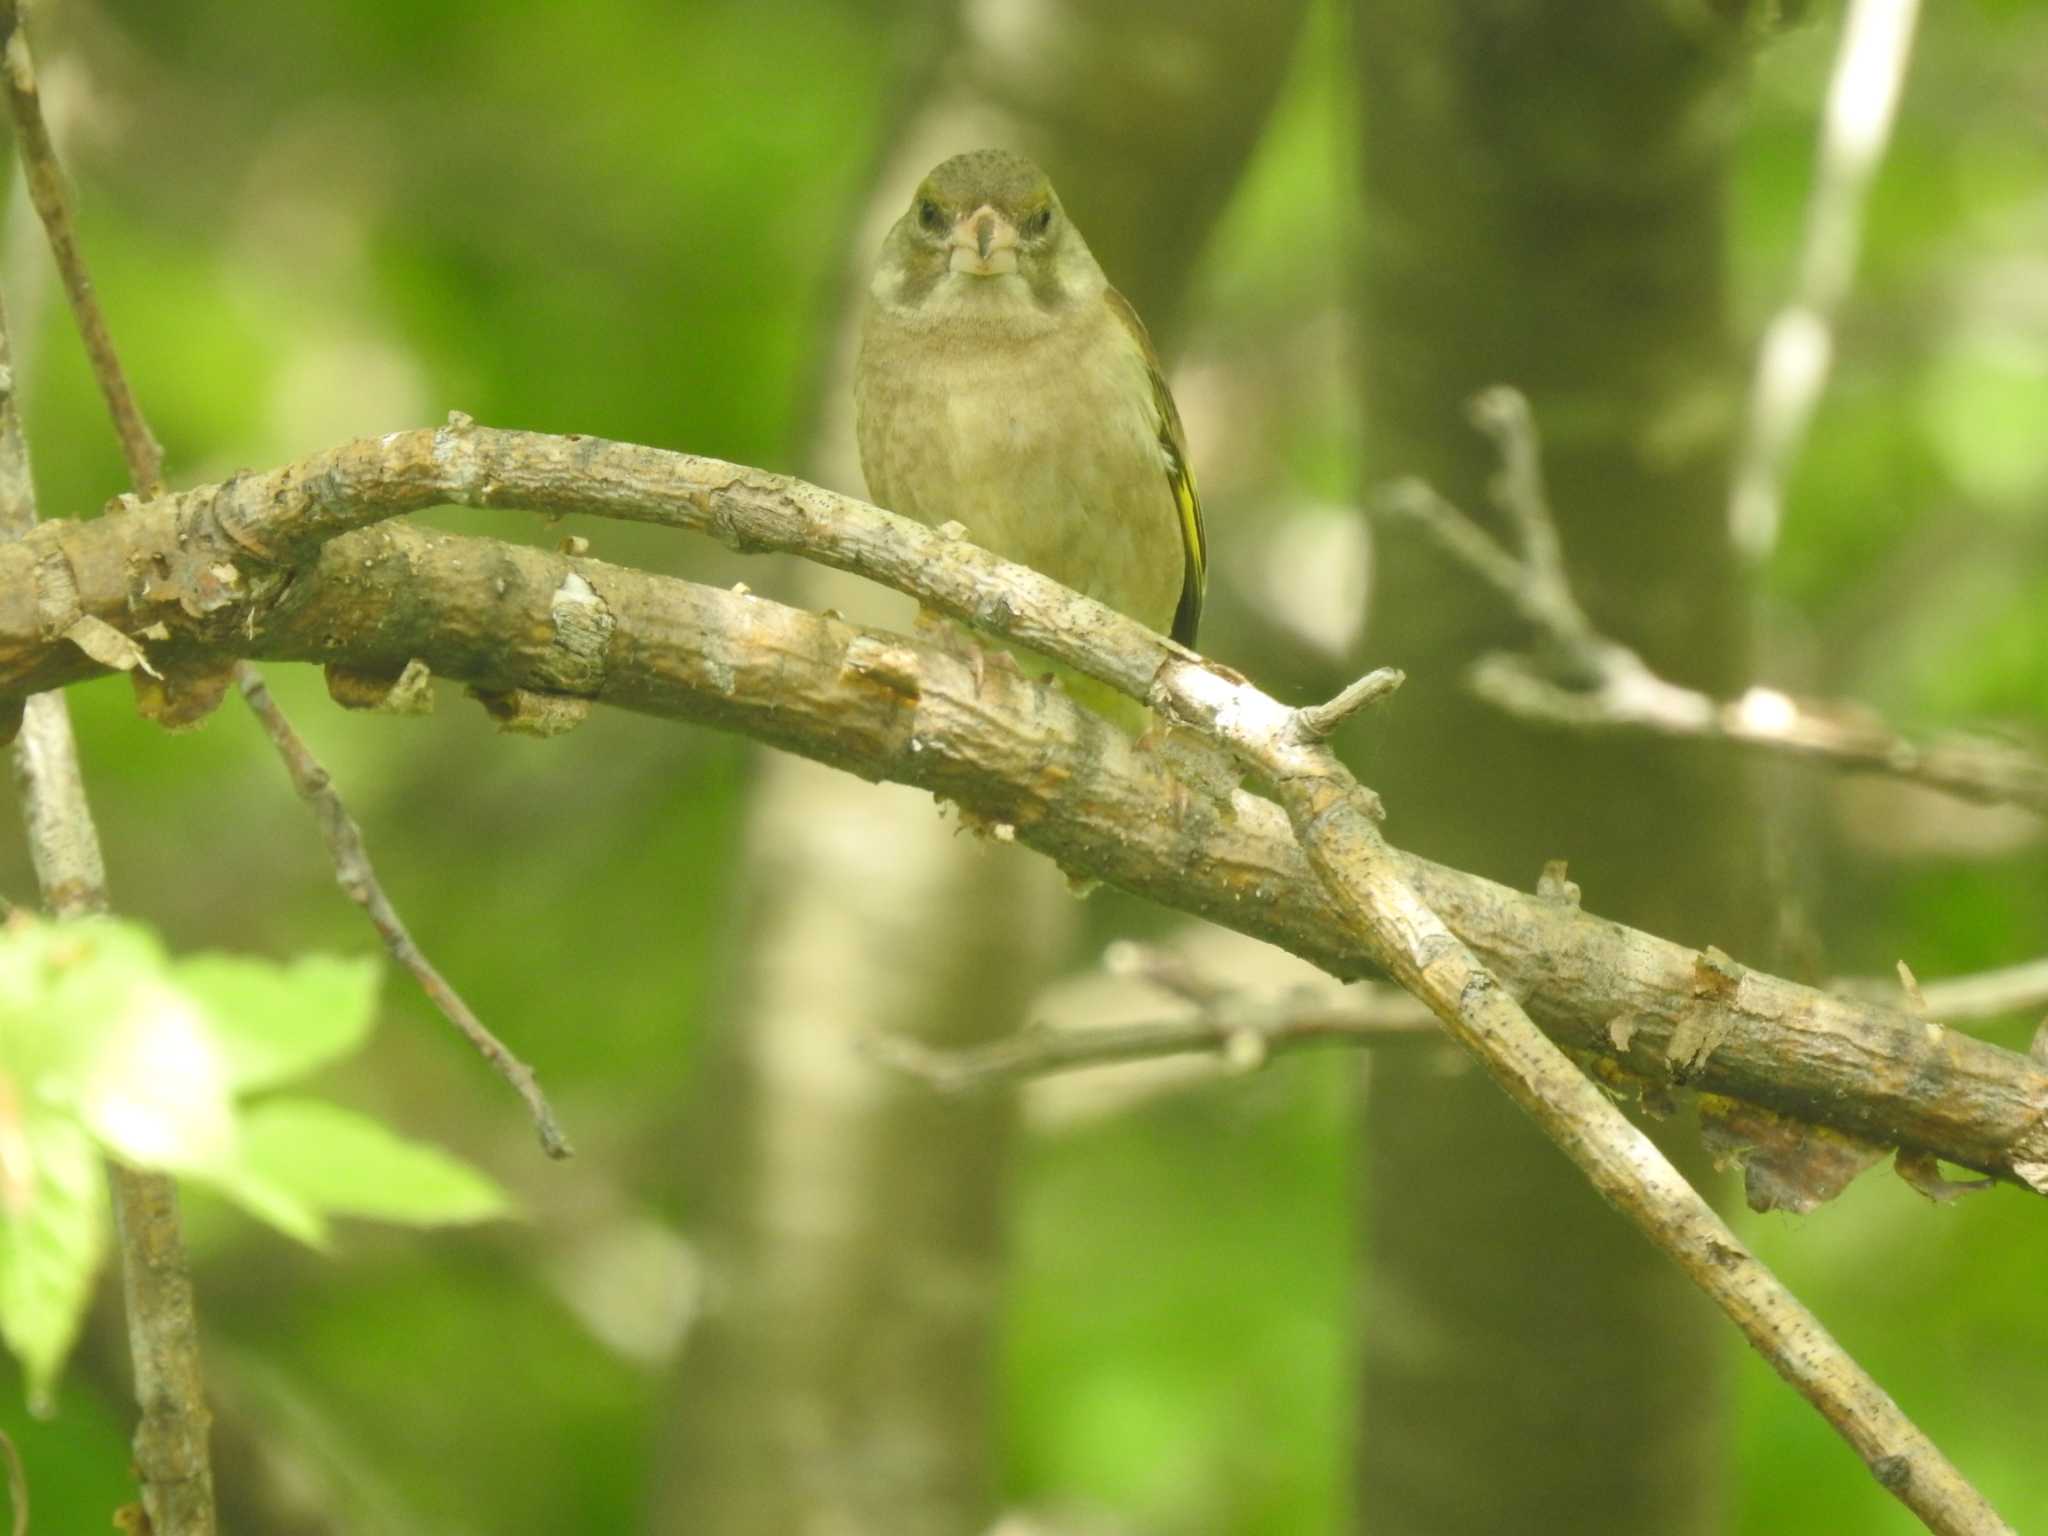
1004, 385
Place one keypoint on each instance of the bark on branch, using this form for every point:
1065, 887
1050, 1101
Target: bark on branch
283, 565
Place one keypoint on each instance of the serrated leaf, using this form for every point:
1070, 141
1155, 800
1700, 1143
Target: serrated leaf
347, 1164
53, 1235
278, 1022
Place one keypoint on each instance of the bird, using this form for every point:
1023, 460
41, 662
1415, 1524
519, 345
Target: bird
1004, 385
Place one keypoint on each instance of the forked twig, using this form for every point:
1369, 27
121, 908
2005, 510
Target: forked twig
1591, 682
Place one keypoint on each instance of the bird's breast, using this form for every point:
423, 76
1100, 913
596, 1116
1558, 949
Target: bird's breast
1045, 448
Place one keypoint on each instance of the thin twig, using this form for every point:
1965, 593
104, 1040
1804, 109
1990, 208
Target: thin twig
1590, 682
357, 878
1244, 1029
2014, 989
2019, 988
358, 881
171, 1456
45, 178
1503, 414
1168, 969
1045, 1052
1849, 738
1793, 363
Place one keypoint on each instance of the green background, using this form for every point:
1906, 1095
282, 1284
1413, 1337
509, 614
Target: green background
626, 218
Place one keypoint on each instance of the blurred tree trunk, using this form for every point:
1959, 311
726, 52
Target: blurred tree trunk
1543, 197
843, 1378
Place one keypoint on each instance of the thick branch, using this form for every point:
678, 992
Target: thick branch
872, 704
906, 708
1336, 820
279, 518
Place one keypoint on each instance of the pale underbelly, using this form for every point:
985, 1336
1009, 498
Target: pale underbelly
1067, 479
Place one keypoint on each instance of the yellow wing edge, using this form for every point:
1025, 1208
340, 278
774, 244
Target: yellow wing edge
1180, 479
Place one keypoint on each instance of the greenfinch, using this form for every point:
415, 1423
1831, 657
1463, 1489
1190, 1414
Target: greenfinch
1004, 385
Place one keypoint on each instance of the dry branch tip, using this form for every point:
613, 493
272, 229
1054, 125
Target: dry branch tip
1317, 722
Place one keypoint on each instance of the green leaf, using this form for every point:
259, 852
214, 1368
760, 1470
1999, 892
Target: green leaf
346, 1164
156, 1092
278, 1022
262, 1197
63, 989
53, 1234
92, 963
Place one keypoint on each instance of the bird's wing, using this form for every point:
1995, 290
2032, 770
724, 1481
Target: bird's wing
1180, 477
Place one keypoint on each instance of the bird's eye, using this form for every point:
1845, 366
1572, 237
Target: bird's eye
1038, 223
930, 217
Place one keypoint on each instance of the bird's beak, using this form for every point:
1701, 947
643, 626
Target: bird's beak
984, 244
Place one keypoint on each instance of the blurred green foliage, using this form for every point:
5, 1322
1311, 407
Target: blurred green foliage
629, 218
112, 1049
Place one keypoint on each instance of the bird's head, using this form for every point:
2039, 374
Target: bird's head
984, 223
